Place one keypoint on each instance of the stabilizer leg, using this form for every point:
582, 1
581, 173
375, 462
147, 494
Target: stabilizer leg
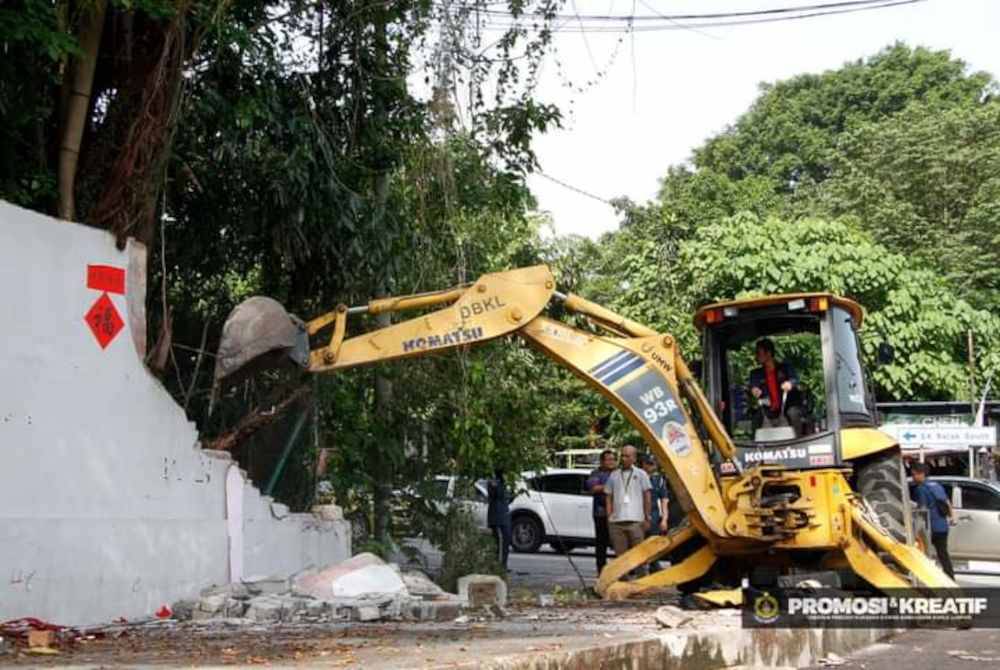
692, 567
646, 552
869, 565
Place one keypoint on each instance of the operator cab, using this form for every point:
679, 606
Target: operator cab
791, 408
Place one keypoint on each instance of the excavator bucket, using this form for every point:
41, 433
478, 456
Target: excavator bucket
259, 334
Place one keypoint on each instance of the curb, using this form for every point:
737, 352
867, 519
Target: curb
701, 650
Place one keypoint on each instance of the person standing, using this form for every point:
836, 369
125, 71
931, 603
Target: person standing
629, 504
595, 486
658, 498
932, 497
498, 515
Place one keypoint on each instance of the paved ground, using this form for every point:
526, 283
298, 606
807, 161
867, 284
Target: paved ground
376, 646
929, 650
538, 572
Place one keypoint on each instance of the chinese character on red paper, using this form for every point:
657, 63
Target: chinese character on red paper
104, 321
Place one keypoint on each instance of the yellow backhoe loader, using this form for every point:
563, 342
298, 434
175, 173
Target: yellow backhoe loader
773, 502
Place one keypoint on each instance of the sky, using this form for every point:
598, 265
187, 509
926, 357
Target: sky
666, 92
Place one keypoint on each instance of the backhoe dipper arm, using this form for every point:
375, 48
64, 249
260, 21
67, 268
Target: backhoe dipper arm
637, 369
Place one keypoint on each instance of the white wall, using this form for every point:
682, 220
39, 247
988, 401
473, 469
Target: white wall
108, 506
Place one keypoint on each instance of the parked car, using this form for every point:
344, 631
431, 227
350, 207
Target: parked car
552, 506
447, 490
976, 503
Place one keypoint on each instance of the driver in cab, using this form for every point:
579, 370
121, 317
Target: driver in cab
774, 385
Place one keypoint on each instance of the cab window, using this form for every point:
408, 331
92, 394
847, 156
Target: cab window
803, 355
851, 394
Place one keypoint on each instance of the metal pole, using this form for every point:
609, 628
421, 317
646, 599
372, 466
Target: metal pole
300, 422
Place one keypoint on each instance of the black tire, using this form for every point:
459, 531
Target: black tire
881, 481
526, 534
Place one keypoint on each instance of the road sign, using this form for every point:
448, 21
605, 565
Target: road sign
914, 436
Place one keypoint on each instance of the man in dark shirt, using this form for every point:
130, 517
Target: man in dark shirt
595, 486
498, 515
932, 497
659, 500
774, 384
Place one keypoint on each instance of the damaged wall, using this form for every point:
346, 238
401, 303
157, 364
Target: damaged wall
108, 507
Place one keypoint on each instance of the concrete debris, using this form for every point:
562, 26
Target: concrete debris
266, 609
363, 588
368, 613
356, 577
238, 591
832, 660
482, 591
420, 585
670, 616
546, 600
266, 586
212, 604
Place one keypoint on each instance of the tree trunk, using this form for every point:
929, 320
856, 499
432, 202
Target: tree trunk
383, 390
80, 84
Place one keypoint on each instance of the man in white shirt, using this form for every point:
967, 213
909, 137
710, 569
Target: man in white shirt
629, 503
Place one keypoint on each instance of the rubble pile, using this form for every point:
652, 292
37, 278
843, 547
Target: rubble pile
363, 588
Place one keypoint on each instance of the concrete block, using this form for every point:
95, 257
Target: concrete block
420, 585
265, 610
212, 604
367, 613
482, 591
237, 590
670, 616
235, 608
266, 586
315, 608
184, 609
362, 575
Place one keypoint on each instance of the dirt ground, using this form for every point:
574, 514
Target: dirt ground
456, 644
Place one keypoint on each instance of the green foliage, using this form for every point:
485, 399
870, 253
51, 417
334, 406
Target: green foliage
912, 309
926, 182
467, 549
790, 132
876, 180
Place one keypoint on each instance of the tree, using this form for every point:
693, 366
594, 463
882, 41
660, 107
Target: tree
926, 183
791, 131
908, 306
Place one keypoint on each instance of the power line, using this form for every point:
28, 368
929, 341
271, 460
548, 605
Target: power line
627, 24
858, 4
575, 189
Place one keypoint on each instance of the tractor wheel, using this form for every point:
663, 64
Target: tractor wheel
880, 480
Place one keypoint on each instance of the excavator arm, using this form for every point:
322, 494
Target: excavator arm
640, 371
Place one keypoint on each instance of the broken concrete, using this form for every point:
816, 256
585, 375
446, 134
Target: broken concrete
671, 616
266, 586
356, 577
482, 591
378, 592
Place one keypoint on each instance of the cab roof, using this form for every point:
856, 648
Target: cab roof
745, 304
